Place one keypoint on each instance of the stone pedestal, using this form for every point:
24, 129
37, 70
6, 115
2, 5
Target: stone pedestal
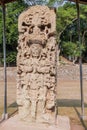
14, 123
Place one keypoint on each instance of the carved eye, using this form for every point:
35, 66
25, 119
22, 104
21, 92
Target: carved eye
31, 30
49, 25
23, 24
46, 31
22, 86
42, 28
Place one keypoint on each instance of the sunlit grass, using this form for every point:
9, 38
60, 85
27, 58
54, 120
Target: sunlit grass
11, 110
74, 113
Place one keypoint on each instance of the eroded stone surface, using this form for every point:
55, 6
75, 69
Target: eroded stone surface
36, 63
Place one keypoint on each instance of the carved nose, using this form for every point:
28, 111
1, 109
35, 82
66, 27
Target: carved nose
36, 30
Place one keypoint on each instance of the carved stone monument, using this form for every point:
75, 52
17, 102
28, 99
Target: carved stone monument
36, 65
36, 73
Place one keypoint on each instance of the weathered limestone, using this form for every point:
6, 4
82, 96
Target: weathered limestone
36, 61
14, 123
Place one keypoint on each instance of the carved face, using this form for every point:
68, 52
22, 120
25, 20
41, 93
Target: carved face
35, 50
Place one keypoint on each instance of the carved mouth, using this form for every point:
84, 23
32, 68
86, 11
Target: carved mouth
37, 41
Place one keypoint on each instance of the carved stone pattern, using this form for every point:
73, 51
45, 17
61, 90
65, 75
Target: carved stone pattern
36, 64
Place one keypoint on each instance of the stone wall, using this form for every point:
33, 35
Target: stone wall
71, 72
65, 72
11, 74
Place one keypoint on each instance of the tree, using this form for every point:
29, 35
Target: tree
67, 27
72, 51
65, 15
12, 12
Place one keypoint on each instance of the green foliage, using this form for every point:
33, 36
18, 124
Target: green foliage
10, 58
55, 3
1, 28
65, 15
13, 10
72, 49
67, 30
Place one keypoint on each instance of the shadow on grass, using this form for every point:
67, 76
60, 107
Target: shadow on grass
14, 104
69, 103
13, 113
72, 103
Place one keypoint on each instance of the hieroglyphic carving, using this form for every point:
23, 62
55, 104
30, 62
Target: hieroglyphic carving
36, 64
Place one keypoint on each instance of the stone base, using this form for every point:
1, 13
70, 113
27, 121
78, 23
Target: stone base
4, 116
13, 123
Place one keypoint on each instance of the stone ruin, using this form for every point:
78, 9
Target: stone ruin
36, 65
